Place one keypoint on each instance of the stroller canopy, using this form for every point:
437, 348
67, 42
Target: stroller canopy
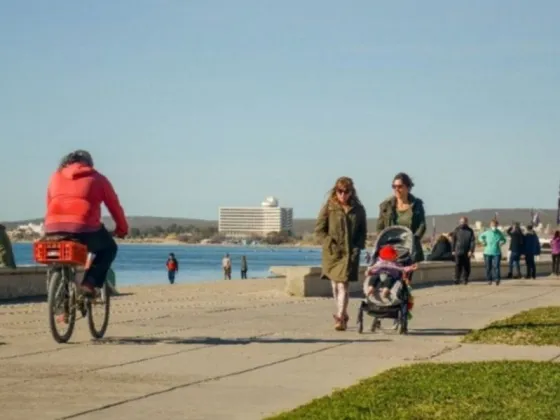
401, 238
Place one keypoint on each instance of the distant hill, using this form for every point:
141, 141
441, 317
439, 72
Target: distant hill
444, 222
448, 222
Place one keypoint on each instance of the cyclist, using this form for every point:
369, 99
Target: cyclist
74, 196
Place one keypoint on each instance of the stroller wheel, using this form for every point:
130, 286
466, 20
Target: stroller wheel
375, 324
360, 321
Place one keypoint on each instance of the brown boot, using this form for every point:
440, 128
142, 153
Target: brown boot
339, 324
345, 321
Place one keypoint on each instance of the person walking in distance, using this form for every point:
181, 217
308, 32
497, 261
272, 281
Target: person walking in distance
516, 249
493, 239
226, 265
555, 250
531, 248
172, 267
464, 242
244, 267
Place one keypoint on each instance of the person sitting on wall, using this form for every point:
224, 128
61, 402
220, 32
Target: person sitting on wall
6, 252
442, 250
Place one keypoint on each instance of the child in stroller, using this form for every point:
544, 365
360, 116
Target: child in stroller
383, 275
386, 287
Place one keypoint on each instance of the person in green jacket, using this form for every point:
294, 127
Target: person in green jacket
493, 239
342, 228
6, 252
404, 209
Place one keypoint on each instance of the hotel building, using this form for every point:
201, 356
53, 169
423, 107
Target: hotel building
242, 222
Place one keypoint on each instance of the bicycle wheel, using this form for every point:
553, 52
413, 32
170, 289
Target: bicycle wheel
62, 306
98, 312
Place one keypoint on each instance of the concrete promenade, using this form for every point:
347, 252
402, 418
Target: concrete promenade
235, 350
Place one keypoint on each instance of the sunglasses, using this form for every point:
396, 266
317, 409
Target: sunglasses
397, 186
342, 191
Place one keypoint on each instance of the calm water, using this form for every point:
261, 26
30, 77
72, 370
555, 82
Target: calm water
145, 264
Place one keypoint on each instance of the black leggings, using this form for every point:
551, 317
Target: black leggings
556, 264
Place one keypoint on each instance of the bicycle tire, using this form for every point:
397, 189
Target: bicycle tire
55, 281
106, 302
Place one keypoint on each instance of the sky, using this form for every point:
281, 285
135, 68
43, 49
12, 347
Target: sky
191, 105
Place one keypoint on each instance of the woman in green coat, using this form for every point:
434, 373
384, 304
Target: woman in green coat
404, 209
342, 229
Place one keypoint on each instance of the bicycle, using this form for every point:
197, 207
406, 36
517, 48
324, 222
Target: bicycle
64, 257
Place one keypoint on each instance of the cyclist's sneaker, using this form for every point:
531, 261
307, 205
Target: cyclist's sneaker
88, 287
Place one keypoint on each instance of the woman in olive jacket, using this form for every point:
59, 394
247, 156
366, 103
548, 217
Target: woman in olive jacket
342, 229
404, 209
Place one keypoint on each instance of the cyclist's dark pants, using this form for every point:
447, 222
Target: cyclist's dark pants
102, 244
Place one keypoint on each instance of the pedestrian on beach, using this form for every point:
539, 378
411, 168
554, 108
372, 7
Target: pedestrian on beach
516, 248
555, 251
404, 209
464, 243
244, 267
493, 239
342, 229
226, 265
531, 248
172, 267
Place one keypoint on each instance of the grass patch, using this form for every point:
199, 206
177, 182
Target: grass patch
540, 326
518, 390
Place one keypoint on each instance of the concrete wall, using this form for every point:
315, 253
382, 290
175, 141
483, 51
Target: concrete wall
305, 281
23, 282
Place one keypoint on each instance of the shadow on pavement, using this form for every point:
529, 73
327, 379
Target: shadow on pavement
216, 341
439, 332
118, 295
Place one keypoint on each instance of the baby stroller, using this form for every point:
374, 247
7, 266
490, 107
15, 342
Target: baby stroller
402, 239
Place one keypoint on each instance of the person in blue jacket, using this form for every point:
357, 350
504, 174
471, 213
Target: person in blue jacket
493, 239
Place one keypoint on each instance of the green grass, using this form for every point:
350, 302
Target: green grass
520, 390
540, 326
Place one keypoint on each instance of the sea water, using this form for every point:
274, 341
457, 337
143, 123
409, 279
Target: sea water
145, 264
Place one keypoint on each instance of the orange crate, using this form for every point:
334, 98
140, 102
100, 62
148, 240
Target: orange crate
65, 252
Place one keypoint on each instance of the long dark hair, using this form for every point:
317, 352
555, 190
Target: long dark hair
557, 234
405, 179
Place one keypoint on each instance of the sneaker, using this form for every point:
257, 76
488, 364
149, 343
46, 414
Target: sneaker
87, 287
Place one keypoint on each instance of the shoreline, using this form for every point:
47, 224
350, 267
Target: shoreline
172, 242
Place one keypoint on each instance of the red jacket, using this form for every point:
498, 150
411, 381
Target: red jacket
74, 198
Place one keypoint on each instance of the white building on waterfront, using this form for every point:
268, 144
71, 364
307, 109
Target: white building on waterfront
240, 222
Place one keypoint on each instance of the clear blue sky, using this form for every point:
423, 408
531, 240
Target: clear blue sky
189, 105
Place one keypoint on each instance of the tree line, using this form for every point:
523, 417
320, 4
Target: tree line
194, 234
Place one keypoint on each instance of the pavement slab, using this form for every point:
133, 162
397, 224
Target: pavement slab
236, 349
